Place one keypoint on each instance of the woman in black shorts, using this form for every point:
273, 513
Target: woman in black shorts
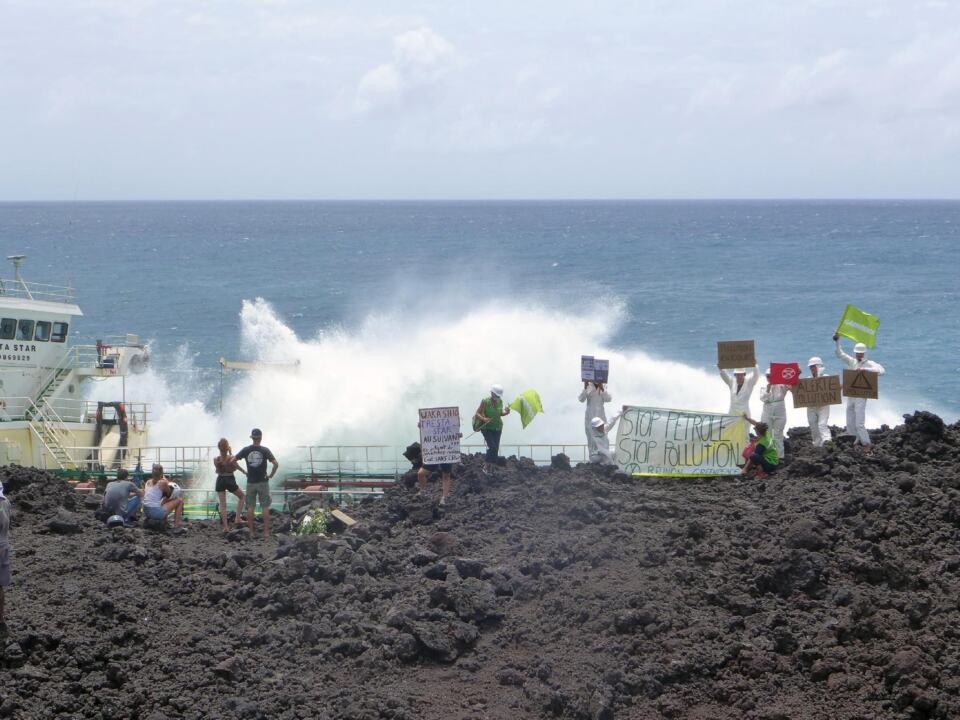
226, 466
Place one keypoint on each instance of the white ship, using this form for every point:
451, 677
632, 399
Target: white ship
45, 420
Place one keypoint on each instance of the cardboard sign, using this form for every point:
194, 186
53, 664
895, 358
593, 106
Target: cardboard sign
679, 443
587, 368
817, 392
861, 384
440, 435
593, 369
736, 354
601, 370
784, 373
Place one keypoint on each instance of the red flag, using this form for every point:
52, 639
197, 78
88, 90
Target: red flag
784, 373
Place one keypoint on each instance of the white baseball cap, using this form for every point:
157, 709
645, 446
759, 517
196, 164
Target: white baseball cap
497, 390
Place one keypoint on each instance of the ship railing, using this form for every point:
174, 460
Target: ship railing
381, 461
192, 460
24, 408
78, 356
85, 411
36, 291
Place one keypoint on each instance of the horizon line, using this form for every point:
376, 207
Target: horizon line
479, 200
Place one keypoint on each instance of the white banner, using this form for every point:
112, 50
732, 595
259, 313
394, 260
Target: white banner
658, 441
440, 435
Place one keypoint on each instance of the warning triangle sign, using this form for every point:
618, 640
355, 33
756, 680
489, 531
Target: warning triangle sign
861, 382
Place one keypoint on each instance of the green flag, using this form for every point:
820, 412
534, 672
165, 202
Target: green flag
858, 325
528, 405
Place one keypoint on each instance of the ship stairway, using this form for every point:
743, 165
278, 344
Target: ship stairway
52, 432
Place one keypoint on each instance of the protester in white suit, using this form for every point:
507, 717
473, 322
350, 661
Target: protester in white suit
857, 407
603, 454
594, 395
774, 411
741, 389
818, 417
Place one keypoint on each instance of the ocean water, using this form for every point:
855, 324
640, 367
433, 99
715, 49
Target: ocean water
388, 306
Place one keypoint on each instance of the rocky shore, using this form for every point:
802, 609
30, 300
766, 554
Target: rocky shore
831, 590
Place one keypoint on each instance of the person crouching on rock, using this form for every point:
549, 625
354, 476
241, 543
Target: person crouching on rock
764, 460
599, 449
489, 421
4, 558
156, 506
226, 465
122, 497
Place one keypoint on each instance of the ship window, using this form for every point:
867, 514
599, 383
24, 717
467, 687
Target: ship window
25, 330
8, 328
43, 331
59, 332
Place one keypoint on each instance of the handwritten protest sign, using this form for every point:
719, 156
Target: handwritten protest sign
861, 384
593, 369
587, 368
736, 354
678, 443
440, 435
817, 392
601, 370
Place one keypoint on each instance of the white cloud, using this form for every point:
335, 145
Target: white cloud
421, 59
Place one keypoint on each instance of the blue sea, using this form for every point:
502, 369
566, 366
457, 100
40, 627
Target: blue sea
658, 282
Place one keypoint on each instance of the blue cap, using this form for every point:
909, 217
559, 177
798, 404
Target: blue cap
255, 433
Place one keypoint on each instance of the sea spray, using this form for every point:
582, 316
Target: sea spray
363, 385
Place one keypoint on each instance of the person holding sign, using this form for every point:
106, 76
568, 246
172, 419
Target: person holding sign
774, 411
740, 389
764, 460
440, 447
601, 452
857, 407
818, 417
489, 421
594, 395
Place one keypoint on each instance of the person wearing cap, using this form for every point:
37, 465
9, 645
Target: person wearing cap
256, 457
818, 417
594, 395
764, 460
489, 421
774, 411
857, 407
741, 389
602, 454
4, 558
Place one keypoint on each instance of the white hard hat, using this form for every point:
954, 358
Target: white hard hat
739, 371
814, 361
769, 370
859, 348
497, 390
597, 422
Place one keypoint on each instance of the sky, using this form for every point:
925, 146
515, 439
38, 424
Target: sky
287, 99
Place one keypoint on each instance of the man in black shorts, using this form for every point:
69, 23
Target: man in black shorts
258, 482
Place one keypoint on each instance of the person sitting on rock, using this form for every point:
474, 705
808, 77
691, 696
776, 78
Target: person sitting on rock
601, 452
122, 497
764, 460
155, 506
4, 558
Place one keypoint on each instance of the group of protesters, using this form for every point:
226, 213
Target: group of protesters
766, 449
159, 497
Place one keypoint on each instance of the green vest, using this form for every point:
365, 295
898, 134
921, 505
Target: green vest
492, 408
769, 449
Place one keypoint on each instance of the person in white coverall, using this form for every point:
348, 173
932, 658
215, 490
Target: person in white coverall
602, 453
774, 412
594, 395
818, 417
857, 407
740, 389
